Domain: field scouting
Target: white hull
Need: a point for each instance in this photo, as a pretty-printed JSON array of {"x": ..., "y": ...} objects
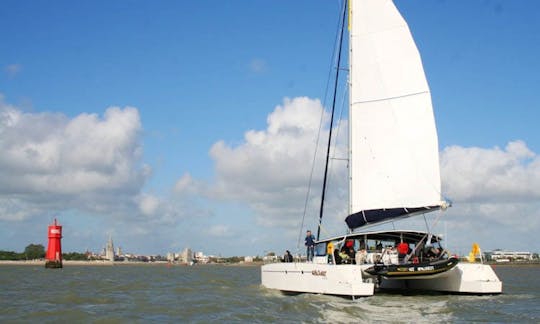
[
  {"x": 350, "y": 280},
  {"x": 315, "y": 278}
]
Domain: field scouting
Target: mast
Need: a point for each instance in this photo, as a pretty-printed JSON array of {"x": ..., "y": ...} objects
[
  {"x": 332, "y": 119},
  {"x": 349, "y": 151}
]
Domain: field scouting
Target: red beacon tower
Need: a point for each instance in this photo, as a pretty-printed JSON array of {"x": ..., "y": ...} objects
[{"x": 54, "y": 249}]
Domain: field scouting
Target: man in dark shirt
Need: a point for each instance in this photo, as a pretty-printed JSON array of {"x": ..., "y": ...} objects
[
  {"x": 288, "y": 256},
  {"x": 310, "y": 245}
]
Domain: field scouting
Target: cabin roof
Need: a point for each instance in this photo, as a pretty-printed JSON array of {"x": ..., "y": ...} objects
[{"x": 407, "y": 235}]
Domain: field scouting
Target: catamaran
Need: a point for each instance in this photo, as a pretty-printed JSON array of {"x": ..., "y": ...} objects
[{"x": 393, "y": 174}]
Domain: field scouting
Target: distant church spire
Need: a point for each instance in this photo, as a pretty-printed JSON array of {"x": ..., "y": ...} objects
[{"x": 109, "y": 251}]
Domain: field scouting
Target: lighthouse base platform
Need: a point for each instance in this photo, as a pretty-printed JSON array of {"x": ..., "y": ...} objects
[{"x": 53, "y": 264}]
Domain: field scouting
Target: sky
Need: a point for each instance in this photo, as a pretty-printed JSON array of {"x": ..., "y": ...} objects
[{"x": 173, "y": 124}]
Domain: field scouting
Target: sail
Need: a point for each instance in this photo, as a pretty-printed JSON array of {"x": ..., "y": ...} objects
[{"x": 394, "y": 161}]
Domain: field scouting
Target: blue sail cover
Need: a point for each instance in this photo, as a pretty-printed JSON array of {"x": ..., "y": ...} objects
[{"x": 380, "y": 215}]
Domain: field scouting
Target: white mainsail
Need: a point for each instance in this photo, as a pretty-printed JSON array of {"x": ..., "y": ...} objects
[{"x": 394, "y": 161}]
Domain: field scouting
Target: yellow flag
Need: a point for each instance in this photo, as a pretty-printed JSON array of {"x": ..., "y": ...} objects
[
  {"x": 475, "y": 249},
  {"x": 474, "y": 252}
]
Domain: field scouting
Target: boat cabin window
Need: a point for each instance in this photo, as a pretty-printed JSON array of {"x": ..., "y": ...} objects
[
  {"x": 320, "y": 249},
  {"x": 378, "y": 245}
]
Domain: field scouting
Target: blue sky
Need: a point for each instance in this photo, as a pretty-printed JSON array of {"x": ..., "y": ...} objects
[{"x": 200, "y": 76}]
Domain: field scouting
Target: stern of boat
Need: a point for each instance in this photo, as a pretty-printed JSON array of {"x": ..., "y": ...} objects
[{"x": 343, "y": 280}]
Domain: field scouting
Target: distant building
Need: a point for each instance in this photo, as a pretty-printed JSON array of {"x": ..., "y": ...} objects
[
  {"x": 201, "y": 258},
  {"x": 186, "y": 256},
  {"x": 109, "y": 250},
  {"x": 507, "y": 256},
  {"x": 248, "y": 259},
  {"x": 270, "y": 258}
]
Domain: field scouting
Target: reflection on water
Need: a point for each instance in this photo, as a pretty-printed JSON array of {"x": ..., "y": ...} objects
[{"x": 233, "y": 294}]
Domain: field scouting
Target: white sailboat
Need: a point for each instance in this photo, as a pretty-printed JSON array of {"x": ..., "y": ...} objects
[{"x": 394, "y": 173}]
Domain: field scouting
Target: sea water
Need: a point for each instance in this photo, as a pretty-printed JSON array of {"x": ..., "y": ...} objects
[{"x": 232, "y": 294}]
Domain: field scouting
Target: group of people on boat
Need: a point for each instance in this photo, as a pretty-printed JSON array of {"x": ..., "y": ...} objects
[
  {"x": 357, "y": 251},
  {"x": 399, "y": 253}
]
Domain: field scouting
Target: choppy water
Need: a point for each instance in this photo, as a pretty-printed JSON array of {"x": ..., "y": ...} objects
[{"x": 137, "y": 293}]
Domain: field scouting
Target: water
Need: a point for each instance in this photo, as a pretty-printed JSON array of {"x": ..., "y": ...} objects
[{"x": 143, "y": 293}]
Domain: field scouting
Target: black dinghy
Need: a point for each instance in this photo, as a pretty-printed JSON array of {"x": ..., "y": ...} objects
[{"x": 411, "y": 270}]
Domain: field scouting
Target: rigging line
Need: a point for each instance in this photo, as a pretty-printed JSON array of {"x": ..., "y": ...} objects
[
  {"x": 325, "y": 231},
  {"x": 332, "y": 119},
  {"x": 329, "y": 78},
  {"x": 425, "y": 221},
  {"x": 340, "y": 121},
  {"x": 429, "y": 232}
]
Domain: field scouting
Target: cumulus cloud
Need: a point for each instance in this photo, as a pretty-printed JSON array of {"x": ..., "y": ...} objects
[
  {"x": 187, "y": 185},
  {"x": 148, "y": 204},
  {"x": 51, "y": 161},
  {"x": 473, "y": 174},
  {"x": 270, "y": 169},
  {"x": 495, "y": 192}
]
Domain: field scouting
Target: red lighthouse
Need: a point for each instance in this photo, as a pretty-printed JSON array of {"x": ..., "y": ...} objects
[{"x": 54, "y": 249}]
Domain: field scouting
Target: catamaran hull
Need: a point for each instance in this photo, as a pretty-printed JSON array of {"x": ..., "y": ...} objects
[
  {"x": 344, "y": 280},
  {"x": 464, "y": 278},
  {"x": 350, "y": 280}
]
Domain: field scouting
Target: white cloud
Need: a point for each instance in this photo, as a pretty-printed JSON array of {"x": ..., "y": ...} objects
[
  {"x": 270, "y": 170},
  {"x": 495, "y": 194},
  {"x": 187, "y": 185},
  {"x": 148, "y": 204},
  {"x": 13, "y": 209},
  {"x": 220, "y": 231},
  {"x": 50, "y": 161},
  {"x": 472, "y": 174}
]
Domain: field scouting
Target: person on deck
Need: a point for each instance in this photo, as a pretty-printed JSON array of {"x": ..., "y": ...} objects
[
  {"x": 343, "y": 255},
  {"x": 310, "y": 245},
  {"x": 378, "y": 246},
  {"x": 330, "y": 252},
  {"x": 349, "y": 249},
  {"x": 403, "y": 250},
  {"x": 288, "y": 256}
]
